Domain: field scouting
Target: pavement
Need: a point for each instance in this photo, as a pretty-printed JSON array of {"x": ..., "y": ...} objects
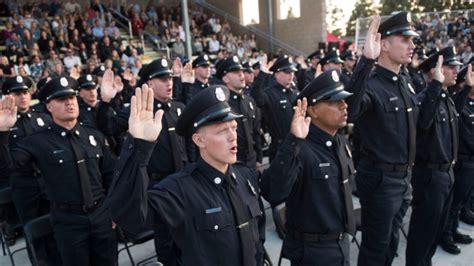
[{"x": 273, "y": 246}]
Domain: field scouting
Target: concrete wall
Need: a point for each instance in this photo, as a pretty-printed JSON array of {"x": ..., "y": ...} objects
[{"x": 303, "y": 33}]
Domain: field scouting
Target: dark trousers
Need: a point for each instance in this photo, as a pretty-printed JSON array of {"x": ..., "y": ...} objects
[
  {"x": 384, "y": 198},
  {"x": 432, "y": 196},
  {"x": 85, "y": 239},
  {"x": 333, "y": 252},
  {"x": 463, "y": 187}
]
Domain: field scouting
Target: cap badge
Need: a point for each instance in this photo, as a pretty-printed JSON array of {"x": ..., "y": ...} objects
[
  {"x": 408, "y": 17},
  {"x": 454, "y": 50},
  {"x": 335, "y": 76},
  {"x": 102, "y": 68},
  {"x": 235, "y": 59},
  {"x": 92, "y": 140},
  {"x": 205, "y": 57},
  {"x": 89, "y": 77},
  {"x": 64, "y": 82},
  {"x": 164, "y": 63},
  {"x": 220, "y": 94},
  {"x": 178, "y": 111},
  {"x": 19, "y": 79}
]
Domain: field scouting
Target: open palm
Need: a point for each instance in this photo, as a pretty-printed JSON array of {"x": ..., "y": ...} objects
[
  {"x": 8, "y": 111},
  {"x": 142, "y": 123}
]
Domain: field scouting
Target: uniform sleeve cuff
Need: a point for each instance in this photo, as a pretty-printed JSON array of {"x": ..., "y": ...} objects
[{"x": 140, "y": 149}]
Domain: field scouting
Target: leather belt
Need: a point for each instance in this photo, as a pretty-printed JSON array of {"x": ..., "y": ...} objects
[
  {"x": 75, "y": 207},
  {"x": 315, "y": 237},
  {"x": 389, "y": 167},
  {"x": 436, "y": 166}
]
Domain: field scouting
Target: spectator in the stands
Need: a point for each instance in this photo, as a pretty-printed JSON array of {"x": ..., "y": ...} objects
[
  {"x": 97, "y": 30},
  {"x": 36, "y": 66},
  {"x": 71, "y": 60},
  {"x": 213, "y": 46},
  {"x": 178, "y": 48}
]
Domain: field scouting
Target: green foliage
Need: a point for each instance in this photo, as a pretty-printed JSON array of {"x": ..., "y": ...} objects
[{"x": 363, "y": 8}]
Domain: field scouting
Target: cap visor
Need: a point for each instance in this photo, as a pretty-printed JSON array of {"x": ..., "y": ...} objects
[
  {"x": 409, "y": 33},
  {"x": 87, "y": 85},
  {"x": 339, "y": 95},
  {"x": 60, "y": 94}
]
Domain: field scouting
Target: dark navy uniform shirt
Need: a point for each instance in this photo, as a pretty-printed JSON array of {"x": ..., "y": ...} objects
[
  {"x": 51, "y": 151},
  {"x": 381, "y": 112},
  {"x": 245, "y": 105},
  {"x": 162, "y": 161},
  {"x": 307, "y": 175},
  {"x": 193, "y": 203},
  {"x": 276, "y": 104}
]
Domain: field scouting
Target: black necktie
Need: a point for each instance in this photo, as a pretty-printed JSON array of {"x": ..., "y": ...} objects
[
  {"x": 411, "y": 123},
  {"x": 82, "y": 168},
  {"x": 346, "y": 187},
  {"x": 175, "y": 148},
  {"x": 453, "y": 126},
  {"x": 26, "y": 124},
  {"x": 243, "y": 224}
]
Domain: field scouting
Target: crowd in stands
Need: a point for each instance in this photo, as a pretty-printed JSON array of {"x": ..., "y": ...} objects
[
  {"x": 449, "y": 29},
  {"x": 53, "y": 38}
]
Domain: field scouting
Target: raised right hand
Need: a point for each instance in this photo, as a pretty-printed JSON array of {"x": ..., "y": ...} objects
[
  {"x": 107, "y": 88},
  {"x": 372, "y": 40},
  {"x": 8, "y": 111},
  {"x": 142, "y": 124},
  {"x": 187, "y": 73},
  {"x": 300, "y": 123},
  {"x": 438, "y": 70}
]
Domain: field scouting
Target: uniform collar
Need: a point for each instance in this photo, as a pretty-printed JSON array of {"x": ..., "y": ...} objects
[
  {"x": 63, "y": 132},
  {"x": 162, "y": 105},
  {"x": 282, "y": 89},
  {"x": 201, "y": 85},
  {"x": 319, "y": 136},
  {"x": 211, "y": 173},
  {"x": 234, "y": 95},
  {"x": 25, "y": 114},
  {"x": 387, "y": 74}
]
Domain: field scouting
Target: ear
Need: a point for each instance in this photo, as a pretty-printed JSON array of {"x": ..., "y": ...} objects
[
  {"x": 312, "y": 111},
  {"x": 198, "y": 140},
  {"x": 385, "y": 44},
  {"x": 48, "y": 106},
  {"x": 225, "y": 79}
]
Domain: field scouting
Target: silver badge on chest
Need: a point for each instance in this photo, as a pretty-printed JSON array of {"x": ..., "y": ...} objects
[
  {"x": 92, "y": 140},
  {"x": 40, "y": 122}
]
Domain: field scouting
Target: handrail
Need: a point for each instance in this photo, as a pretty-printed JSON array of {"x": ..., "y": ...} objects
[
  {"x": 157, "y": 43},
  {"x": 124, "y": 18},
  {"x": 252, "y": 29}
]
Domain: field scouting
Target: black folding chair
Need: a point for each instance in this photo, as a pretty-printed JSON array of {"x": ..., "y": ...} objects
[
  {"x": 279, "y": 217},
  {"x": 130, "y": 240},
  {"x": 6, "y": 203},
  {"x": 358, "y": 220},
  {"x": 40, "y": 228}
]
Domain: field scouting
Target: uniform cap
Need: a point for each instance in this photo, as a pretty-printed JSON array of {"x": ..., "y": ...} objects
[
  {"x": 17, "y": 83},
  {"x": 209, "y": 106},
  {"x": 398, "y": 24},
  {"x": 86, "y": 81},
  {"x": 57, "y": 88},
  {"x": 283, "y": 63},
  {"x": 202, "y": 60},
  {"x": 325, "y": 87},
  {"x": 331, "y": 57},
  {"x": 159, "y": 68},
  {"x": 449, "y": 59},
  {"x": 228, "y": 65}
]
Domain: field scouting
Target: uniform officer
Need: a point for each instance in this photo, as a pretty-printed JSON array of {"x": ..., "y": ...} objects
[
  {"x": 170, "y": 153},
  {"x": 331, "y": 60},
  {"x": 26, "y": 183},
  {"x": 202, "y": 73},
  {"x": 249, "y": 77},
  {"x": 348, "y": 65},
  {"x": 211, "y": 206},
  {"x": 310, "y": 73},
  {"x": 436, "y": 154},
  {"x": 464, "y": 168},
  {"x": 315, "y": 180},
  {"x": 276, "y": 102},
  {"x": 385, "y": 109},
  {"x": 77, "y": 168},
  {"x": 249, "y": 146},
  {"x": 416, "y": 74},
  {"x": 88, "y": 99}
]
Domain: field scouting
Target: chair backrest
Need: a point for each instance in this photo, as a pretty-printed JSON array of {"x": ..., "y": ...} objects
[
  {"x": 279, "y": 217},
  {"x": 38, "y": 228}
]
